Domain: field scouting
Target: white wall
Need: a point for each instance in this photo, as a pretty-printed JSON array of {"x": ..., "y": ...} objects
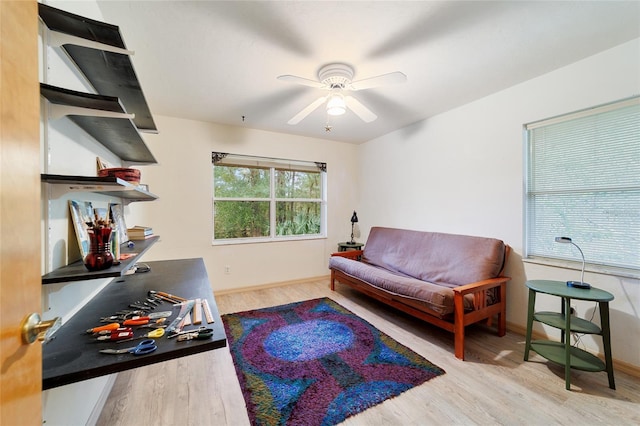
[
  {"x": 68, "y": 150},
  {"x": 182, "y": 216},
  {"x": 462, "y": 172}
]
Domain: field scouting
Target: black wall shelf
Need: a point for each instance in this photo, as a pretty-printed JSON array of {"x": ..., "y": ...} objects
[
  {"x": 98, "y": 115},
  {"x": 109, "y": 72},
  {"x": 72, "y": 355},
  {"x": 111, "y": 186},
  {"x": 76, "y": 271}
]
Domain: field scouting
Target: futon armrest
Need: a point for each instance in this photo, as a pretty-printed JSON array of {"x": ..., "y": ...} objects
[
  {"x": 480, "y": 285},
  {"x": 351, "y": 254}
]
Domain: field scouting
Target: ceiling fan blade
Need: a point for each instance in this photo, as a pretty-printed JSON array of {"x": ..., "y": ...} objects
[
  {"x": 308, "y": 110},
  {"x": 360, "y": 110},
  {"x": 300, "y": 80},
  {"x": 381, "y": 80}
]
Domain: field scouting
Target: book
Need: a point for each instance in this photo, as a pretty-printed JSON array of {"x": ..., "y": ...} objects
[
  {"x": 117, "y": 216},
  {"x": 81, "y": 213},
  {"x": 140, "y": 237},
  {"x": 139, "y": 232}
]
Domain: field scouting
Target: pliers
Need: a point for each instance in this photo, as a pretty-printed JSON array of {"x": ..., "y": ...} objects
[{"x": 201, "y": 333}]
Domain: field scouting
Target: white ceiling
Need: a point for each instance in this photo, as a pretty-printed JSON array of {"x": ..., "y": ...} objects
[{"x": 217, "y": 61}]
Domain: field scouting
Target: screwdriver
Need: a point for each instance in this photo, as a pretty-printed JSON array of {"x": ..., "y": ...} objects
[
  {"x": 112, "y": 326},
  {"x": 117, "y": 336},
  {"x": 137, "y": 321}
]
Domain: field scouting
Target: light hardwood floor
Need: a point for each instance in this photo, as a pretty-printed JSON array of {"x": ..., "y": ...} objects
[{"x": 492, "y": 386}]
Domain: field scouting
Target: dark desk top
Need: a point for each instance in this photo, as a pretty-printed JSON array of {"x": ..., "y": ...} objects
[
  {"x": 73, "y": 356},
  {"x": 560, "y": 289}
]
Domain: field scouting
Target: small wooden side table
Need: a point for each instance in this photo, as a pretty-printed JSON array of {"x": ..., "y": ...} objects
[
  {"x": 348, "y": 246},
  {"x": 562, "y": 352}
]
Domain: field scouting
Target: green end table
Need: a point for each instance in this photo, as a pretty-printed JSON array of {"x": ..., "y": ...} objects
[
  {"x": 348, "y": 246},
  {"x": 562, "y": 352}
]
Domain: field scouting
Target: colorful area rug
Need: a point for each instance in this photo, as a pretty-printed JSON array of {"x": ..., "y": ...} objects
[{"x": 316, "y": 363}]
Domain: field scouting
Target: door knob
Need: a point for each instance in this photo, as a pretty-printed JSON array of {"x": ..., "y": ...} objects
[{"x": 34, "y": 328}]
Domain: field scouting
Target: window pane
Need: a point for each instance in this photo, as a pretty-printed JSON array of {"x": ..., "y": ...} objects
[
  {"x": 583, "y": 182},
  {"x": 297, "y": 218},
  {"x": 241, "y": 182},
  {"x": 600, "y": 223},
  {"x": 297, "y": 184},
  {"x": 241, "y": 219}
]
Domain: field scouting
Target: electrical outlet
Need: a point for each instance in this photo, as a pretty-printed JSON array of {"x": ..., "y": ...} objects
[{"x": 227, "y": 269}]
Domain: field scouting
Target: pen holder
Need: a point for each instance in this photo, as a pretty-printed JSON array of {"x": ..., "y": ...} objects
[{"x": 99, "y": 256}]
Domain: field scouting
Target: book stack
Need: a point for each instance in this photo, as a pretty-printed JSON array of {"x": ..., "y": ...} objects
[{"x": 139, "y": 233}]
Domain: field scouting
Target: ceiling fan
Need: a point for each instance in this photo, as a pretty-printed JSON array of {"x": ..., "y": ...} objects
[{"x": 337, "y": 79}]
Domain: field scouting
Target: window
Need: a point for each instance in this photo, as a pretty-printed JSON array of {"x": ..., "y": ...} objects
[
  {"x": 263, "y": 199},
  {"x": 583, "y": 182}
]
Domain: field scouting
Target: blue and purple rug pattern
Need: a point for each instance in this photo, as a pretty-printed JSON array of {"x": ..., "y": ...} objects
[{"x": 316, "y": 363}]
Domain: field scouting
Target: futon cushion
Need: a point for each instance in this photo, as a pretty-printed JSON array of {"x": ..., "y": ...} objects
[
  {"x": 448, "y": 260},
  {"x": 437, "y": 298}
]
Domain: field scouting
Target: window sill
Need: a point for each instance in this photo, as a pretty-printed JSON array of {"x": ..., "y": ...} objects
[
  {"x": 285, "y": 239},
  {"x": 596, "y": 269}
]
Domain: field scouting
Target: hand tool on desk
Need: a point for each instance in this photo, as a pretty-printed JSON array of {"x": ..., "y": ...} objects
[
  {"x": 154, "y": 302},
  {"x": 163, "y": 314},
  {"x": 121, "y": 335},
  {"x": 184, "y": 310},
  {"x": 139, "y": 314},
  {"x": 197, "y": 313},
  {"x": 145, "y": 347},
  {"x": 171, "y": 296},
  {"x": 117, "y": 330},
  {"x": 166, "y": 296},
  {"x": 207, "y": 311},
  {"x": 155, "y": 334},
  {"x": 157, "y": 324},
  {"x": 123, "y": 315},
  {"x": 156, "y": 299},
  {"x": 148, "y": 305},
  {"x": 111, "y": 326},
  {"x": 166, "y": 299},
  {"x": 143, "y": 320},
  {"x": 136, "y": 321},
  {"x": 199, "y": 334},
  {"x": 201, "y": 329},
  {"x": 139, "y": 306}
]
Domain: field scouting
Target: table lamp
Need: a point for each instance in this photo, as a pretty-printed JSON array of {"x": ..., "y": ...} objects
[
  {"x": 581, "y": 283},
  {"x": 354, "y": 219}
]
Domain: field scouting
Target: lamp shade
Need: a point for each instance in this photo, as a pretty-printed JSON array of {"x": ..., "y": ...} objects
[
  {"x": 336, "y": 104},
  {"x": 354, "y": 217}
]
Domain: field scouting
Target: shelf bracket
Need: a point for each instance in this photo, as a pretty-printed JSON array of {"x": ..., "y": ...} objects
[
  {"x": 59, "y": 39},
  {"x": 57, "y": 111},
  {"x": 58, "y": 191}
]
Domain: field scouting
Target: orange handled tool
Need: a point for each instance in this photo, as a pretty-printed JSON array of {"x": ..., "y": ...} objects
[
  {"x": 111, "y": 326},
  {"x": 137, "y": 321}
]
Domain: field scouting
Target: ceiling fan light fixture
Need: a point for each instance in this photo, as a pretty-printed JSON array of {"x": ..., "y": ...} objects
[{"x": 336, "y": 105}]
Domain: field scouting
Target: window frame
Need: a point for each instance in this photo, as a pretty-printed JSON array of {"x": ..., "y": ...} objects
[
  {"x": 272, "y": 164},
  {"x": 560, "y": 254}
]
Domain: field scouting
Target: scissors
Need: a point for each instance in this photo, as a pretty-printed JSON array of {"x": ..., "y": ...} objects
[
  {"x": 145, "y": 347},
  {"x": 155, "y": 334}
]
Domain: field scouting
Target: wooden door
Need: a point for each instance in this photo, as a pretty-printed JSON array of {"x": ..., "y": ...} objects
[{"x": 20, "y": 283}]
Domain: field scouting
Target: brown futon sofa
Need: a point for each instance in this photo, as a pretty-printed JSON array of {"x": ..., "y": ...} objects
[{"x": 445, "y": 279}]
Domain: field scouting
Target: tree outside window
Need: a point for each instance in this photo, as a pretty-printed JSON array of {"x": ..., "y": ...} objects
[{"x": 262, "y": 199}]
